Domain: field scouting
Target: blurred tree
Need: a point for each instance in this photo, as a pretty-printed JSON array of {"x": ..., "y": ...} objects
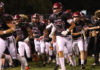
[
  {"x": 44, "y": 6},
  {"x": 27, "y": 6},
  {"x": 40, "y": 6}
]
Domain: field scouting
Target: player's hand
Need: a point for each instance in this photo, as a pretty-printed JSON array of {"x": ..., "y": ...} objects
[
  {"x": 41, "y": 37},
  {"x": 94, "y": 33},
  {"x": 64, "y": 33}
]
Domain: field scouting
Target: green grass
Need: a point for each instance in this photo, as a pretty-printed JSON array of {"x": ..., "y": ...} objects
[{"x": 35, "y": 66}]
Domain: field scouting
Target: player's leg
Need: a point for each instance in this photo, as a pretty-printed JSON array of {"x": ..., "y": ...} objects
[
  {"x": 3, "y": 45},
  {"x": 70, "y": 52},
  {"x": 37, "y": 49},
  {"x": 54, "y": 51},
  {"x": 22, "y": 59},
  {"x": 85, "y": 51},
  {"x": 66, "y": 55},
  {"x": 9, "y": 58},
  {"x": 43, "y": 54},
  {"x": 49, "y": 48},
  {"x": 60, "y": 48},
  {"x": 27, "y": 49},
  {"x": 12, "y": 49},
  {"x": 81, "y": 49},
  {"x": 47, "y": 51},
  {"x": 42, "y": 45},
  {"x": 28, "y": 53},
  {"x": 56, "y": 56},
  {"x": 37, "y": 46}
]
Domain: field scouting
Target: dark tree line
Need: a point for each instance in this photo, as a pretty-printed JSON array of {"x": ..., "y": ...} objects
[
  {"x": 89, "y": 5},
  {"x": 27, "y": 6},
  {"x": 45, "y": 6}
]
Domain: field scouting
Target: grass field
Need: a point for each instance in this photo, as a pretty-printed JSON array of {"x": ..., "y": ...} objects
[{"x": 34, "y": 66}]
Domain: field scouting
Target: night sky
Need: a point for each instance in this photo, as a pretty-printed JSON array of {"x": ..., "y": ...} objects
[
  {"x": 45, "y": 6},
  {"x": 89, "y": 5}
]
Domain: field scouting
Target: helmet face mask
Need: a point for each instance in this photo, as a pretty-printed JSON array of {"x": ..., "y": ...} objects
[
  {"x": 76, "y": 16},
  {"x": 76, "y": 19},
  {"x": 16, "y": 19},
  {"x": 56, "y": 10},
  {"x": 35, "y": 18}
]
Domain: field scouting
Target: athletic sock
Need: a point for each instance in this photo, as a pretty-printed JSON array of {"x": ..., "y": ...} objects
[{"x": 62, "y": 63}]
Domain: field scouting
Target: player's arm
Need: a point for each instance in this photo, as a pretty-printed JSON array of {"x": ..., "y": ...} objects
[
  {"x": 30, "y": 34},
  {"x": 17, "y": 38},
  {"x": 72, "y": 26},
  {"x": 10, "y": 30},
  {"x": 45, "y": 33},
  {"x": 75, "y": 34},
  {"x": 52, "y": 31},
  {"x": 49, "y": 25},
  {"x": 53, "y": 39},
  {"x": 91, "y": 28},
  {"x": 69, "y": 29}
]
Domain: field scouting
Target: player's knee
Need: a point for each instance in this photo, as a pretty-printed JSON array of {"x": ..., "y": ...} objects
[
  {"x": 22, "y": 55},
  {"x": 28, "y": 56},
  {"x": 42, "y": 52},
  {"x": 60, "y": 54}
]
